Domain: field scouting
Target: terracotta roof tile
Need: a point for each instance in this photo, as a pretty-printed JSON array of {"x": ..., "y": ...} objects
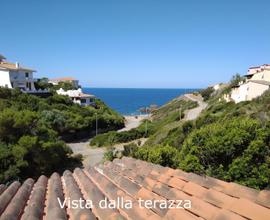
[
  {"x": 91, "y": 192},
  {"x": 7, "y": 195},
  {"x": 54, "y": 195},
  {"x": 264, "y": 198},
  {"x": 250, "y": 210},
  {"x": 16, "y": 205},
  {"x": 62, "y": 79},
  {"x": 174, "y": 214},
  {"x": 73, "y": 192},
  {"x": 13, "y": 66},
  {"x": 2, "y": 188},
  {"x": 36, "y": 202},
  {"x": 227, "y": 215},
  {"x": 132, "y": 180}
]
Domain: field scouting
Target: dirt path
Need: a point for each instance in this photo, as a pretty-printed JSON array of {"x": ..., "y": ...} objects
[
  {"x": 93, "y": 156},
  {"x": 194, "y": 113}
]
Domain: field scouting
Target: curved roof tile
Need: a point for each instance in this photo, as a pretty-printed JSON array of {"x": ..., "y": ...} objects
[{"x": 132, "y": 180}]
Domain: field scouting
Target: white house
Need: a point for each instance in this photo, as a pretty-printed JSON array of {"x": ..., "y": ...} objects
[
  {"x": 257, "y": 82},
  {"x": 78, "y": 96},
  {"x": 71, "y": 80},
  {"x": 13, "y": 75}
]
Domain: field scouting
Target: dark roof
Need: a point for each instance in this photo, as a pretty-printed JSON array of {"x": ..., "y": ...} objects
[
  {"x": 236, "y": 86},
  {"x": 255, "y": 67},
  {"x": 132, "y": 179}
]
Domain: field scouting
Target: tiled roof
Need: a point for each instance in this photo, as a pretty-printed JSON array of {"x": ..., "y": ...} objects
[
  {"x": 62, "y": 79},
  {"x": 13, "y": 66},
  {"x": 132, "y": 180}
]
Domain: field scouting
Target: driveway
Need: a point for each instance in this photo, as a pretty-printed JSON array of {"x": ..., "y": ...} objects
[{"x": 194, "y": 113}]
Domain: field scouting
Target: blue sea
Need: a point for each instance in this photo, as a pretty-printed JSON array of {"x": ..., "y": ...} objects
[{"x": 129, "y": 101}]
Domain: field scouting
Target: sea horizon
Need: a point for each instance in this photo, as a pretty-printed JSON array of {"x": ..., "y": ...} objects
[
  {"x": 128, "y": 101},
  {"x": 88, "y": 87}
]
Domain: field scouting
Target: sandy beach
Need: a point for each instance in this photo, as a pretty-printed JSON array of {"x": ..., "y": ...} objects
[{"x": 133, "y": 121}]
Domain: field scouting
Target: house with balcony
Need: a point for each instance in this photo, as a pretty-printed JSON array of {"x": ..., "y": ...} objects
[
  {"x": 13, "y": 75},
  {"x": 78, "y": 97},
  {"x": 257, "y": 81}
]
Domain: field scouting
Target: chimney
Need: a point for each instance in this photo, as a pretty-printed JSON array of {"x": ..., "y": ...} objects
[{"x": 17, "y": 65}]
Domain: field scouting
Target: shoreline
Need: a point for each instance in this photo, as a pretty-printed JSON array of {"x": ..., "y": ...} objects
[{"x": 133, "y": 121}]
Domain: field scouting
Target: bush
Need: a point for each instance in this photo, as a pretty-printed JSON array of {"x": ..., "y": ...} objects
[
  {"x": 234, "y": 150},
  {"x": 109, "y": 155},
  {"x": 113, "y": 137},
  {"x": 206, "y": 93},
  {"x": 163, "y": 155},
  {"x": 130, "y": 149}
]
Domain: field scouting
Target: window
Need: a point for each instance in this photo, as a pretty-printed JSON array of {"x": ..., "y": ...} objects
[
  {"x": 26, "y": 75},
  {"x": 83, "y": 100}
]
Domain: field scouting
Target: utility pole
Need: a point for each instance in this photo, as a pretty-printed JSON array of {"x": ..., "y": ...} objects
[
  {"x": 96, "y": 124},
  {"x": 146, "y": 128}
]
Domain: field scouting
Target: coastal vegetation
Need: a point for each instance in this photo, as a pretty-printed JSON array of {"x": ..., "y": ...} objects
[
  {"x": 166, "y": 116},
  {"x": 33, "y": 130},
  {"x": 227, "y": 141}
]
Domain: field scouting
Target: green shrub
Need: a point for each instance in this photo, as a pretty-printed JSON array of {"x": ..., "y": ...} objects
[
  {"x": 206, "y": 93},
  {"x": 113, "y": 137},
  {"x": 109, "y": 155},
  {"x": 130, "y": 149},
  {"x": 235, "y": 150},
  {"x": 163, "y": 155}
]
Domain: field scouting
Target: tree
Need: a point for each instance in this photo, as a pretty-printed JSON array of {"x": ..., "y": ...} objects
[
  {"x": 236, "y": 79},
  {"x": 31, "y": 129}
]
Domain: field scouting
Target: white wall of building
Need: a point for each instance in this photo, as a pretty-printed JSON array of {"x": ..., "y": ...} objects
[
  {"x": 264, "y": 75},
  {"x": 83, "y": 101},
  {"x": 248, "y": 91},
  {"x": 70, "y": 93},
  {"x": 5, "y": 79},
  {"x": 240, "y": 93},
  {"x": 255, "y": 90},
  {"x": 251, "y": 89},
  {"x": 17, "y": 79},
  {"x": 77, "y": 96}
]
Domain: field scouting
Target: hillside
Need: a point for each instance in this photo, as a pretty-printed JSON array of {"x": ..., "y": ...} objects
[
  {"x": 32, "y": 131},
  {"x": 165, "y": 118},
  {"x": 228, "y": 141}
]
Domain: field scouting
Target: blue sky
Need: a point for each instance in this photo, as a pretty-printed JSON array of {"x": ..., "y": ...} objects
[{"x": 137, "y": 43}]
